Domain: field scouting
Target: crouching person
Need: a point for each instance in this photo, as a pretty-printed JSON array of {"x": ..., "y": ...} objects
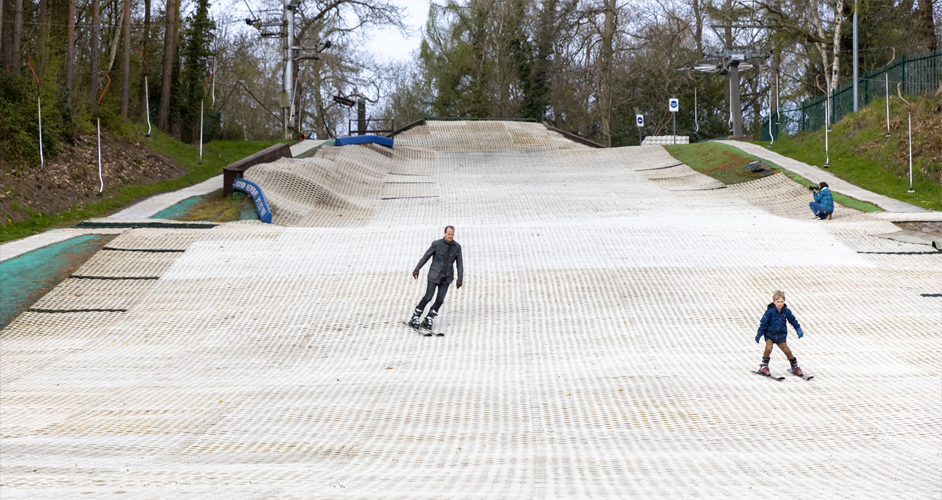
[{"x": 823, "y": 204}]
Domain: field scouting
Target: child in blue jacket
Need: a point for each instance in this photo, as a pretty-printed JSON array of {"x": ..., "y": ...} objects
[{"x": 773, "y": 328}]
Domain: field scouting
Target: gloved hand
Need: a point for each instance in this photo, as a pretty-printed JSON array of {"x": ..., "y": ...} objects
[
  {"x": 758, "y": 336},
  {"x": 800, "y": 334},
  {"x": 415, "y": 274},
  {"x": 458, "y": 284}
]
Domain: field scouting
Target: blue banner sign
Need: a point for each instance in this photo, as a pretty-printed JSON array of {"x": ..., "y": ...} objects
[
  {"x": 261, "y": 205},
  {"x": 364, "y": 139}
]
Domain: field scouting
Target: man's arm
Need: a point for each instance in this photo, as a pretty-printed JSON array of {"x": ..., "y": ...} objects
[
  {"x": 460, "y": 266},
  {"x": 426, "y": 257}
]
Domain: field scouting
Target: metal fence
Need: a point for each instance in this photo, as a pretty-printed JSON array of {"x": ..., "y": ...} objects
[{"x": 921, "y": 72}]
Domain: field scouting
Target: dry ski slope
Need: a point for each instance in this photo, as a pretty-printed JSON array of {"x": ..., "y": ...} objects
[{"x": 601, "y": 346}]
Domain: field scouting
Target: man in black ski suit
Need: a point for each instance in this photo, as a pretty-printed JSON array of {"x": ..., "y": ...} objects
[{"x": 444, "y": 254}]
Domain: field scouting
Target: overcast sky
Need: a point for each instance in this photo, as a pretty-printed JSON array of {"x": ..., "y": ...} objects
[
  {"x": 385, "y": 44},
  {"x": 392, "y": 45}
]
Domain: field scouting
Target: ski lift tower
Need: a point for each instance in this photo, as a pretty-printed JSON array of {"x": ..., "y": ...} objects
[
  {"x": 284, "y": 29},
  {"x": 730, "y": 63}
]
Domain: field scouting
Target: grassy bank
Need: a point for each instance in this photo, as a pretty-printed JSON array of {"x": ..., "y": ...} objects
[
  {"x": 216, "y": 155},
  {"x": 725, "y": 163},
  {"x": 860, "y": 152}
]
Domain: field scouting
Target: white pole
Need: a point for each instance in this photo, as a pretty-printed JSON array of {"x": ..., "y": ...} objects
[
  {"x": 42, "y": 161},
  {"x": 886, "y": 75},
  {"x": 201, "y": 130},
  {"x": 695, "y": 121},
  {"x": 911, "y": 150},
  {"x": 100, "y": 178},
  {"x": 827, "y": 112},
  {"x": 147, "y": 106}
]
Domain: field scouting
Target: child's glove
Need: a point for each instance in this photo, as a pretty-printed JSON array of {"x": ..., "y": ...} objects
[
  {"x": 759, "y": 336},
  {"x": 800, "y": 334}
]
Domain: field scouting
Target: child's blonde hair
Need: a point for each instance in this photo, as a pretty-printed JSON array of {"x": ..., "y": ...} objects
[{"x": 777, "y": 294}]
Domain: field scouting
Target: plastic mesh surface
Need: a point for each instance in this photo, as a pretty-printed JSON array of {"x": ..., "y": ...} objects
[{"x": 601, "y": 346}]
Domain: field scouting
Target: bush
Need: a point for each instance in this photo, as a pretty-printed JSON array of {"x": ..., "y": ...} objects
[{"x": 19, "y": 125}]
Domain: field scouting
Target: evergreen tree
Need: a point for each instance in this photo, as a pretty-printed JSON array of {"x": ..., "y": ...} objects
[{"x": 193, "y": 59}]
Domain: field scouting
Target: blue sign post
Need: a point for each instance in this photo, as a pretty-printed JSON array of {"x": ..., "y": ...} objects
[
  {"x": 674, "y": 106},
  {"x": 639, "y": 119},
  {"x": 261, "y": 204}
]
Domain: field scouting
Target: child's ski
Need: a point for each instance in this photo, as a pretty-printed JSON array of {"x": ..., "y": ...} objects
[
  {"x": 806, "y": 377},
  {"x": 769, "y": 376},
  {"x": 420, "y": 332}
]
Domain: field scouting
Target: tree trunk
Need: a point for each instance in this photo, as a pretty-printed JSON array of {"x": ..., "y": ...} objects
[
  {"x": 727, "y": 85},
  {"x": 114, "y": 42},
  {"x": 145, "y": 41},
  {"x": 126, "y": 78},
  {"x": 608, "y": 50},
  {"x": 698, "y": 29},
  {"x": 70, "y": 54},
  {"x": 93, "y": 56},
  {"x": 319, "y": 128},
  {"x": 836, "y": 47},
  {"x": 926, "y": 25},
  {"x": 163, "y": 113},
  {"x": 17, "y": 37},
  {"x": 43, "y": 34},
  {"x": 4, "y": 43}
]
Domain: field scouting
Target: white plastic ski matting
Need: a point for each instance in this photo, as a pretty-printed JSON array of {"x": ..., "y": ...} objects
[{"x": 601, "y": 345}]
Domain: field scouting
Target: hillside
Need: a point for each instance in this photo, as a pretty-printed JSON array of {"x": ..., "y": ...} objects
[{"x": 861, "y": 153}]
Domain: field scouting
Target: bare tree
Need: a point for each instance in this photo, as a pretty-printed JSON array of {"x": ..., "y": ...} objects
[
  {"x": 163, "y": 113},
  {"x": 93, "y": 56},
  {"x": 17, "y": 36},
  {"x": 606, "y": 76},
  {"x": 145, "y": 40},
  {"x": 126, "y": 77},
  {"x": 43, "y": 33},
  {"x": 70, "y": 53},
  {"x": 926, "y": 25}
]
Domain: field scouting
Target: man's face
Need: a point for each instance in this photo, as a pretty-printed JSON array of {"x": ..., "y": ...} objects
[{"x": 449, "y": 235}]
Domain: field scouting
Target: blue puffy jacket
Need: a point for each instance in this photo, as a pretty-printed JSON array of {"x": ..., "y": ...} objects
[
  {"x": 824, "y": 198},
  {"x": 773, "y": 325}
]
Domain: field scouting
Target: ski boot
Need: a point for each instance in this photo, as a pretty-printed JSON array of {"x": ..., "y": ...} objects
[
  {"x": 764, "y": 370},
  {"x": 414, "y": 322},
  {"x": 428, "y": 322},
  {"x": 797, "y": 371}
]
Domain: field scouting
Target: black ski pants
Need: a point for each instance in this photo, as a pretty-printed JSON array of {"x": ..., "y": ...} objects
[{"x": 429, "y": 292}]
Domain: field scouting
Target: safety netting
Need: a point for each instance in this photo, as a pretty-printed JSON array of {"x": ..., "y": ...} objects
[{"x": 600, "y": 346}]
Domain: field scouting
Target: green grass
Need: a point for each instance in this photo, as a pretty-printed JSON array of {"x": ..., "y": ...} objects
[
  {"x": 860, "y": 152},
  {"x": 216, "y": 155},
  {"x": 212, "y": 207},
  {"x": 725, "y": 164}
]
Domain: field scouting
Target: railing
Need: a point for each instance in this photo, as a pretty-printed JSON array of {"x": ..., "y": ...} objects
[
  {"x": 376, "y": 126},
  {"x": 921, "y": 72}
]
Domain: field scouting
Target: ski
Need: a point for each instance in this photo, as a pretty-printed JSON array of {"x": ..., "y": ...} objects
[
  {"x": 417, "y": 330},
  {"x": 431, "y": 332},
  {"x": 806, "y": 377},
  {"x": 769, "y": 376}
]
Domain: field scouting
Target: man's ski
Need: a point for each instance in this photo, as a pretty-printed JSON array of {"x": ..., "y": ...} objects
[
  {"x": 420, "y": 332},
  {"x": 431, "y": 332},
  {"x": 806, "y": 377},
  {"x": 769, "y": 376}
]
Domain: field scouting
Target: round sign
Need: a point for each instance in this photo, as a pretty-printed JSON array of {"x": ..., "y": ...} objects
[
  {"x": 640, "y": 120},
  {"x": 674, "y": 105}
]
